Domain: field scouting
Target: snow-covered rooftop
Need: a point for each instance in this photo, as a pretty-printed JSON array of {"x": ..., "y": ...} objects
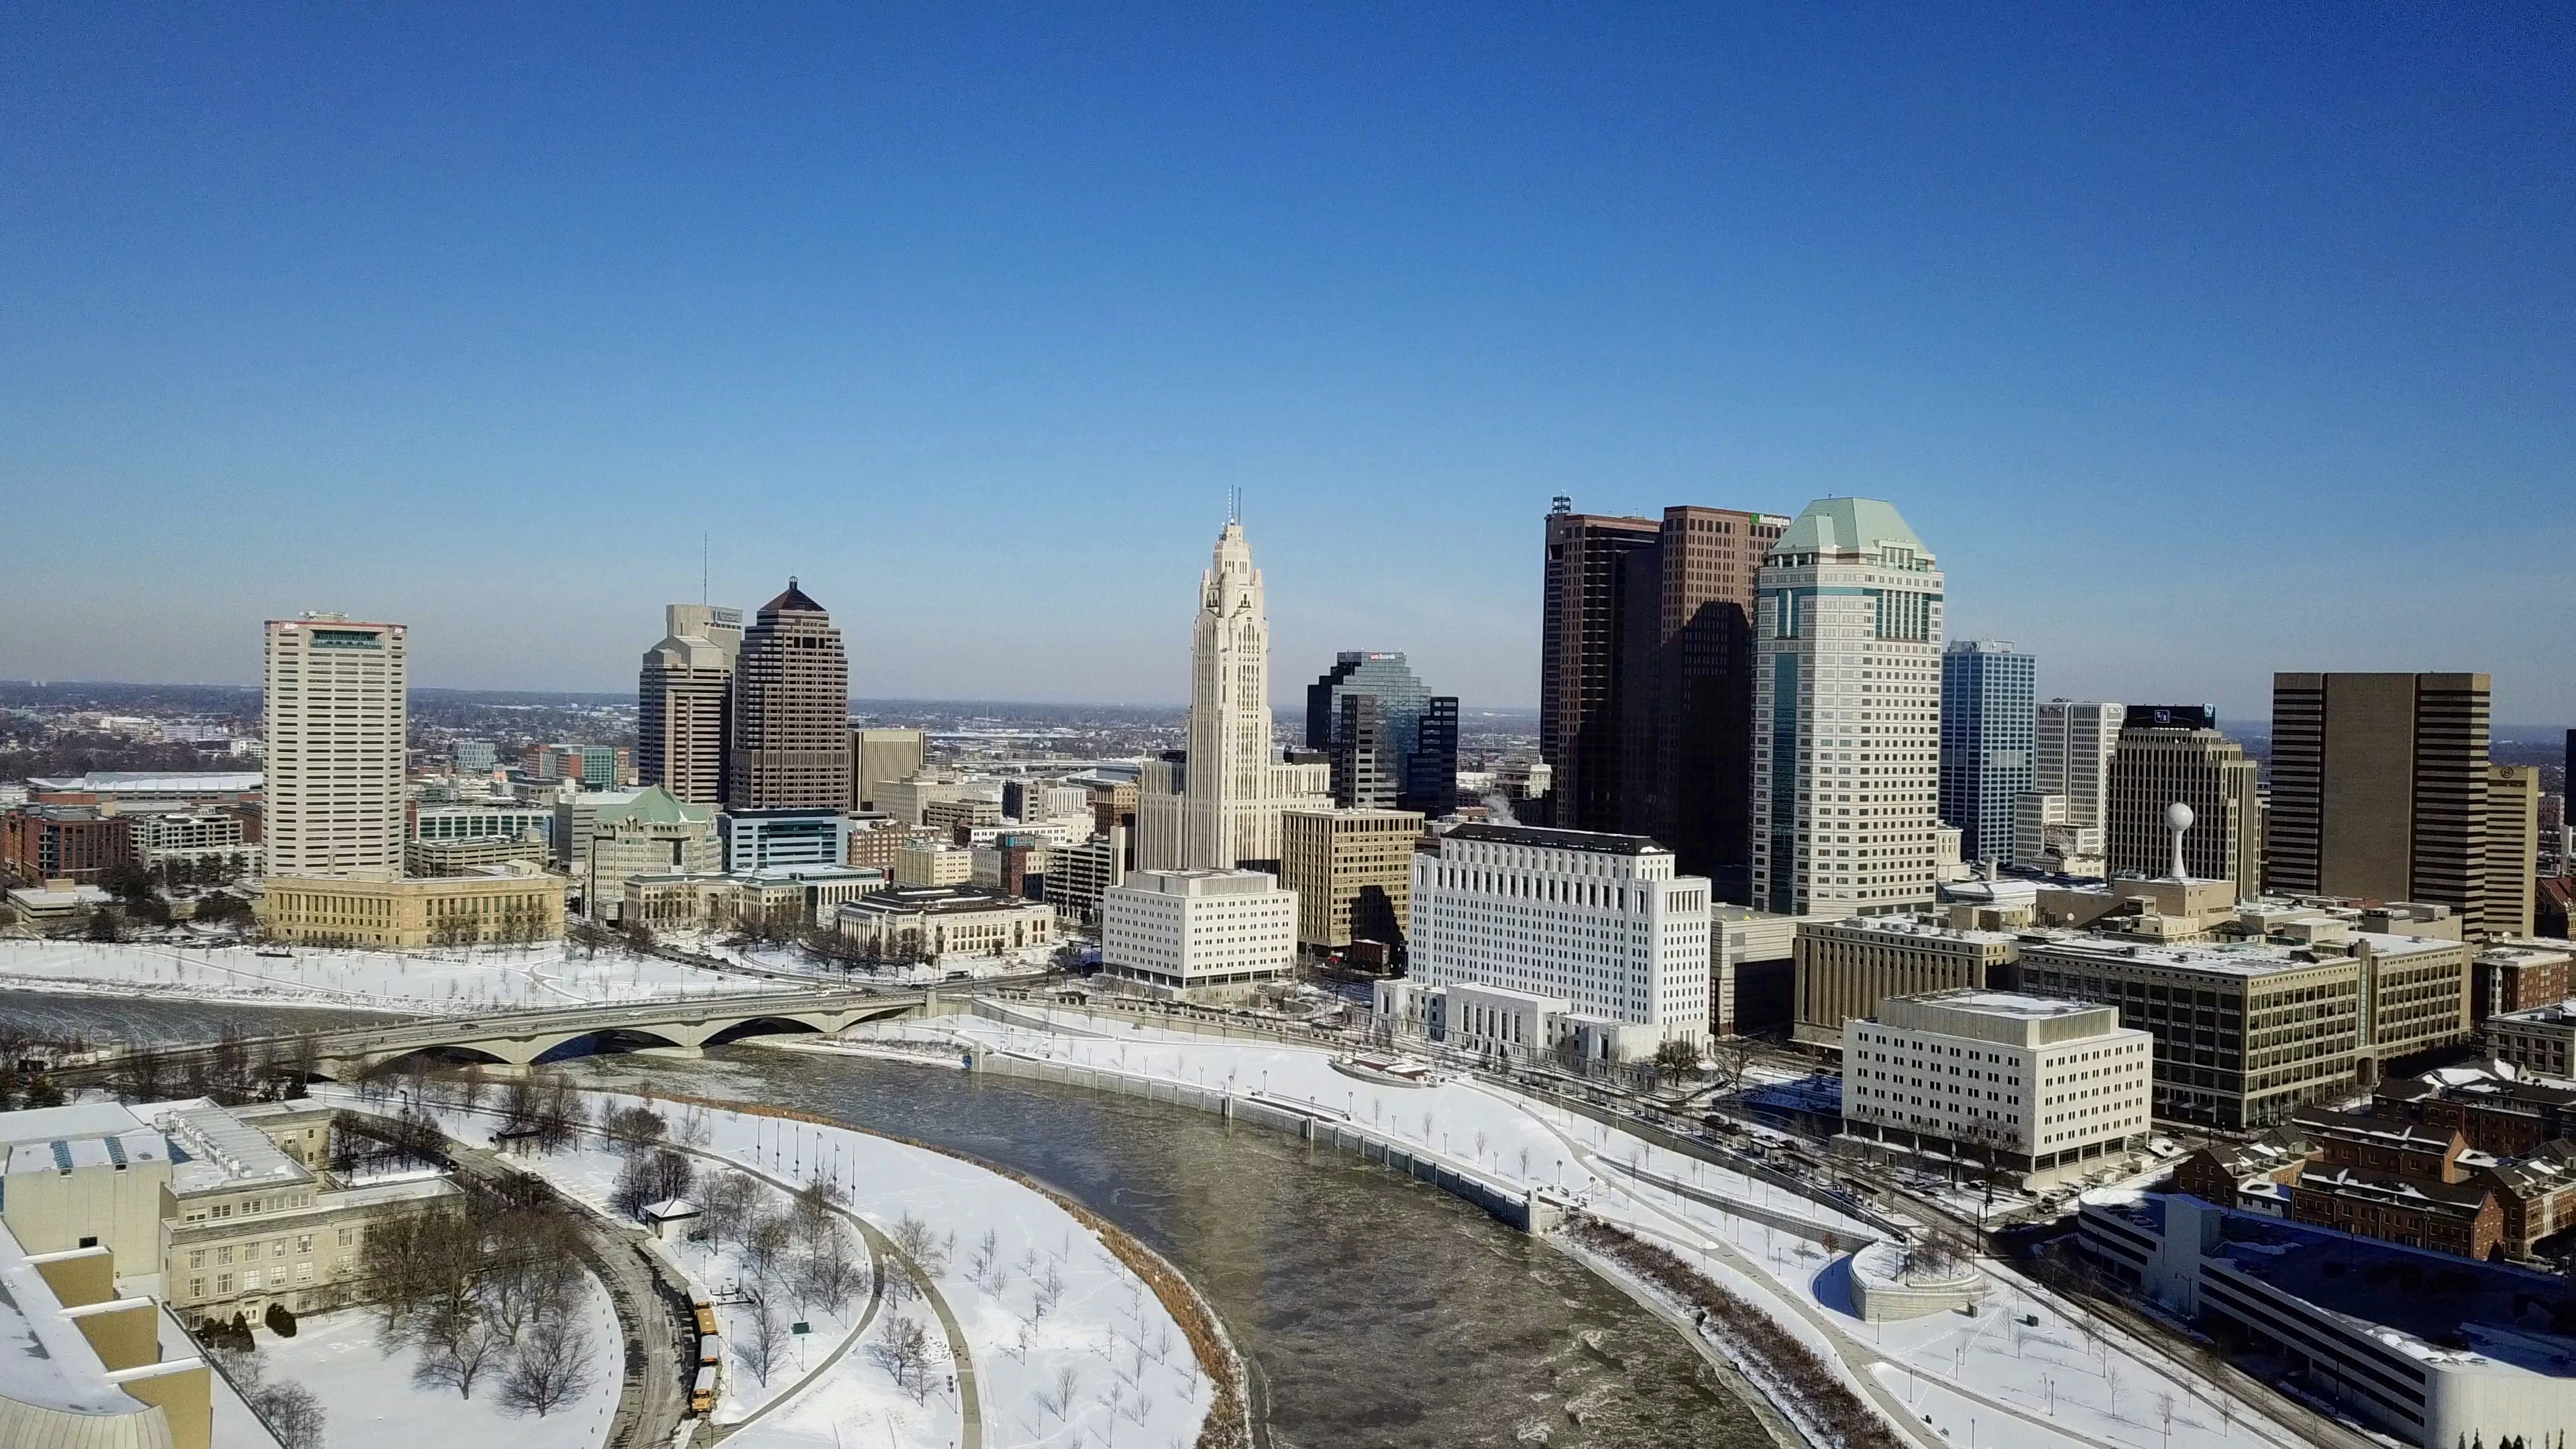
[{"x": 213, "y": 1151}]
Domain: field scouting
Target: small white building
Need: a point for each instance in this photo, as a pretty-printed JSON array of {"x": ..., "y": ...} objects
[
  {"x": 1199, "y": 933},
  {"x": 2044, "y": 1084},
  {"x": 936, "y": 923},
  {"x": 1598, "y": 921}
]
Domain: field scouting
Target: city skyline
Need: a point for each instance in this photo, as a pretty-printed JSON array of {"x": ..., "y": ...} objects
[{"x": 2113, "y": 307}]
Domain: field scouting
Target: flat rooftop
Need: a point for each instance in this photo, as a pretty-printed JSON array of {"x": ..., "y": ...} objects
[
  {"x": 2252, "y": 958},
  {"x": 2010, "y": 1004},
  {"x": 1540, "y": 837}
]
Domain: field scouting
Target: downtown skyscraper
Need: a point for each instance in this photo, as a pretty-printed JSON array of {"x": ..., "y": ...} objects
[
  {"x": 1989, "y": 692},
  {"x": 1646, "y": 678},
  {"x": 1229, "y": 764},
  {"x": 791, "y": 711},
  {"x": 1847, "y": 714},
  {"x": 684, "y": 702},
  {"x": 336, "y": 711},
  {"x": 1393, "y": 743}
]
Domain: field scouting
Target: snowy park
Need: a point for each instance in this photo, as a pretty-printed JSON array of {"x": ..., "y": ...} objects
[
  {"x": 454, "y": 981},
  {"x": 1063, "y": 1344}
]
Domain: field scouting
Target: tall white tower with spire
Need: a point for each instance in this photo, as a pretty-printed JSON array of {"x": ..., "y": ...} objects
[
  {"x": 1218, "y": 806},
  {"x": 1229, "y": 768}
]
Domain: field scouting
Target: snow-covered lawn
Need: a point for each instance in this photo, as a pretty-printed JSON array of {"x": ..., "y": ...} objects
[
  {"x": 370, "y": 1402},
  {"x": 794, "y": 959},
  {"x": 448, "y": 981},
  {"x": 1101, "y": 1362}
]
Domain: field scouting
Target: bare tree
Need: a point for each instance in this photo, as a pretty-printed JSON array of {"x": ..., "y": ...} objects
[
  {"x": 633, "y": 1129},
  {"x": 1057, "y": 1398},
  {"x": 729, "y": 1198},
  {"x": 913, "y": 1238},
  {"x": 979, "y": 1268},
  {"x": 292, "y": 1412},
  {"x": 455, "y": 1350},
  {"x": 552, "y": 1369},
  {"x": 764, "y": 1248},
  {"x": 1050, "y": 1292},
  {"x": 904, "y": 1351},
  {"x": 830, "y": 1274},
  {"x": 762, "y": 1340}
]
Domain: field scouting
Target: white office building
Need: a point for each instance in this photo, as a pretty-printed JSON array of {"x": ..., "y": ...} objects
[
  {"x": 1199, "y": 933},
  {"x": 2046, "y": 1083},
  {"x": 1597, "y": 921},
  {"x": 335, "y": 717},
  {"x": 1846, "y": 714}
]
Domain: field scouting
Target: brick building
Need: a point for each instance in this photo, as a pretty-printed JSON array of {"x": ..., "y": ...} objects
[{"x": 64, "y": 842}]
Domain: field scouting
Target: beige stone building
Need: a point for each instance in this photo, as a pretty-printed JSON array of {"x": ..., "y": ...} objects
[
  {"x": 878, "y": 758},
  {"x": 500, "y": 904},
  {"x": 2513, "y": 852},
  {"x": 1844, "y": 969},
  {"x": 2247, "y": 1033},
  {"x": 932, "y": 863},
  {"x": 682, "y": 696},
  {"x": 2155, "y": 768},
  {"x": 1352, "y": 871},
  {"x": 656, "y": 833},
  {"x": 945, "y": 921}
]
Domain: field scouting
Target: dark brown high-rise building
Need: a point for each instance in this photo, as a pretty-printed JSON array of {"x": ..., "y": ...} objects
[
  {"x": 791, "y": 711},
  {"x": 2379, "y": 788},
  {"x": 1698, "y": 788},
  {"x": 1646, "y": 691},
  {"x": 1601, "y": 591}
]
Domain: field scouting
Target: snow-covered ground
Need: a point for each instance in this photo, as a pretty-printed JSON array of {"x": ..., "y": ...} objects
[
  {"x": 369, "y": 1399},
  {"x": 795, "y": 960},
  {"x": 448, "y": 981},
  {"x": 1989, "y": 1379},
  {"x": 1131, "y": 1373}
]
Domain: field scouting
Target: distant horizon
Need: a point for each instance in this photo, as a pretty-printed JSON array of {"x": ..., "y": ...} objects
[{"x": 2256, "y": 726}]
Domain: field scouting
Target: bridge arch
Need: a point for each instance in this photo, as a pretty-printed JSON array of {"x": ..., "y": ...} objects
[{"x": 783, "y": 1024}]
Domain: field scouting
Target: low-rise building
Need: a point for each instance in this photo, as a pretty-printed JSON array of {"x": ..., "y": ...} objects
[
  {"x": 2434, "y": 1350},
  {"x": 2521, "y": 975},
  {"x": 1352, "y": 871},
  {"x": 754, "y": 839},
  {"x": 1198, "y": 934},
  {"x": 930, "y": 863},
  {"x": 2035, "y": 1087},
  {"x": 2248, "y": 1033},
  {"x": 167, "y": 837},
  {"x": 1845, "y": 968},
  {"x": 483, "y": 819},
  {"x": 2382, "y": 1177},
  {"x": 85, "y": 1364},
  {"x": 2538, "y": 1039},
  {"x": 939, "y": 923},
  {"x": 470, "y": 854},
  {"x": 65, "y": 842},
  {"x": 54, "y": 904},
  {"x": 492, "y": 905},
  {"x": 1077, "y": 874},
  {"x": 656, "y": 833},
  {"x": 1752, "y": 970}
]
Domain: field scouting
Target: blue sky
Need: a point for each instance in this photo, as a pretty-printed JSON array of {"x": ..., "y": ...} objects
[{"x": 2198, "y": 343}]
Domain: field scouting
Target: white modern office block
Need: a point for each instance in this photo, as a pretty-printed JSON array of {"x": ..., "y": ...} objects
[
  {"x": 2039, "y": 1079},
  {"x": 1198, "y": 931},
  {"x": 1598, "y": 921}
]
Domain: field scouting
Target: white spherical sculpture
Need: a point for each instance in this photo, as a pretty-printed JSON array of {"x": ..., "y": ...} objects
[{"x": 2178, "y": 819}]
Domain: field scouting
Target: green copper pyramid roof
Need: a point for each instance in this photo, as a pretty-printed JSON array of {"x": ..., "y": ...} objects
[
  {"x": 654, "y": 805},
  {"x": 1848, "y": 525}
]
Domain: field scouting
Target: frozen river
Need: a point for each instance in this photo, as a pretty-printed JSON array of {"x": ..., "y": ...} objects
[{"x": 1379, "y": 1313}]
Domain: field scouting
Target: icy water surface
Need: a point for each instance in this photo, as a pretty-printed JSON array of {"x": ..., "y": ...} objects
[
  {"x": 1378, "y": 1311},
  {"x": 163, "y": 1019}
]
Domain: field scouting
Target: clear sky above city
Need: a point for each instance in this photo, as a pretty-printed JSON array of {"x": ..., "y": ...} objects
[{"x": 2198, "y": 344}]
